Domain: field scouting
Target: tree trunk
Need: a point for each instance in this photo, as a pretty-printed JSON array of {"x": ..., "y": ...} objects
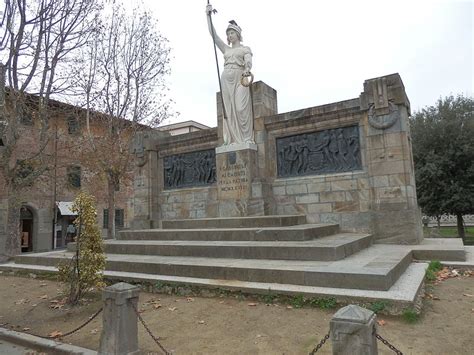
[
  {"x": 12, "y": 242},
  {"x": 460, "y": 225},
  {"x": 111, "y": 207}
]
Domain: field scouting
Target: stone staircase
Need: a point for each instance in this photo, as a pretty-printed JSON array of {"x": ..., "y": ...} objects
[
  {"x": 282, "y": 254},
  {"x": 275, "y": 249}
]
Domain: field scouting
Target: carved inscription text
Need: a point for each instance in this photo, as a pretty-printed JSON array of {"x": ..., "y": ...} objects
[{"x": 233, "y": 178}]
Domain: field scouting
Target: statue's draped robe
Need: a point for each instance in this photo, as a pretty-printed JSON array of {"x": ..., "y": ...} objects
[{"x": 238, "y": 127}]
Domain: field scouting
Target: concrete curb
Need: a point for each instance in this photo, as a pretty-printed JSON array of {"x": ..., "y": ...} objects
[{"x": 41, "y": 344}]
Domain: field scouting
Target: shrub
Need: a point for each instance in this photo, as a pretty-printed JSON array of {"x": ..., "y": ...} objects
[
  {"x": 378, "y": 306},
  {"x": 298, "y": 301},
  {"x": 85, "y": 270},
  {"x": 409, "y": 315},
  {"x": 435, "y": 265}
]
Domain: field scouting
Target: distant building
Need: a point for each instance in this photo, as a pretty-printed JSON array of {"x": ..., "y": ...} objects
[
  {"x": 183, "y": 127},
  {"x": 45, "y": 213}
]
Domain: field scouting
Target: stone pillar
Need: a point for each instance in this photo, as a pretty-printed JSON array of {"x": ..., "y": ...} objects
[
  {"x": 146, "y": 175},
  {"x": 241, "y": 168},
  {"x": 389, "y": 161},
  {"x": 236, "y": 168},
  {"x": 352, "y": 331},
  {"x": 120, "y": 328}
]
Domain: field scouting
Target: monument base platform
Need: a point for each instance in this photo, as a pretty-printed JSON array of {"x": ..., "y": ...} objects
[{"x": 269, "y": 254}]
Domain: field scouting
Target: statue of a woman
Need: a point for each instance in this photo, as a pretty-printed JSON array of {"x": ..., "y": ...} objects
[{"x": 238, "y": 120}]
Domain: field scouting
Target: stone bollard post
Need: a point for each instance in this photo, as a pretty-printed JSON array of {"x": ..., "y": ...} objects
[
  {"x": 352, "y": 331},
  {"x": 120, "y": 329}
]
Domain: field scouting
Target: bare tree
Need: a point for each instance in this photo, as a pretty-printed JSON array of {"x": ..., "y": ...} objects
[
  {"x": 38, "y": 40},
  {"x": 122, "y": 78}
]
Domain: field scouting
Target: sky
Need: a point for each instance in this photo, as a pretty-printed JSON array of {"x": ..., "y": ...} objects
[{"x": 317, "y": 52}]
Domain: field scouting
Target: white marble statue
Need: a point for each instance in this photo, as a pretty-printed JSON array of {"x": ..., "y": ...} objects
[{"x": 238, "y": 120}]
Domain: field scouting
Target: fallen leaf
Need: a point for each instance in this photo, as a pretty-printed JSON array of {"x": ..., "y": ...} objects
[
  {"x": 172, "y": 309},
  {"x": 381, "y": 322},
  {"x": 156, "y": 306},
  {"x": 22, "y": 301},
  {"x": 252, "y": 304},
  {"x": 467, "y": 295},
  {"x": 55, "y": 334}
]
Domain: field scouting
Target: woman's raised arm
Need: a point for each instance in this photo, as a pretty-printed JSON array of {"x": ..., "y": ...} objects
[{"x": 217, "y": 40}]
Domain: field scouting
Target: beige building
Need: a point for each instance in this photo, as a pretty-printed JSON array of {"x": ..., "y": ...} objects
[{"x": 183, "y": 127}]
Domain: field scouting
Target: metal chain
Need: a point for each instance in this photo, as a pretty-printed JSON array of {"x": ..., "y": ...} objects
[
  {"x": 320, "y": 345},
  {"x": 60, "y": 335},
  {"x": 148, "y": 329},
  {"x": 384, "y": 341}
]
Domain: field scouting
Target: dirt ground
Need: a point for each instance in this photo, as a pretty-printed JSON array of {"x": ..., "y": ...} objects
[{"x": 226, "y": 325}]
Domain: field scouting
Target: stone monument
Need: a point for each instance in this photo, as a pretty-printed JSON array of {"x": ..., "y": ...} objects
[{"x": 348, "y": 163}]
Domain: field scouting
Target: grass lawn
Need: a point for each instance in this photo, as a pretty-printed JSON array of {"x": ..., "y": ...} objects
[{"x": 450, "y": 232}]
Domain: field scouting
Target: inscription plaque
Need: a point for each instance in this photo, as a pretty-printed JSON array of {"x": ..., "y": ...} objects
[{"x": 233, "y": 178}]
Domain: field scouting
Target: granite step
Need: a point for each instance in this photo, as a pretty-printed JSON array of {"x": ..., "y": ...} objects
[
  {"x": 369, "y": 269},
  {"x": 288, "y": 233},
  {"x": 235, "y": 222},
  {"x": 401, "y": 295},
  {"x": 334, "y": 247}
]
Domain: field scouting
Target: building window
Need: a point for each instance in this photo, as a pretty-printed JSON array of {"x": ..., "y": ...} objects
[
  {"x": 72, "y": 125},
  {"x": 26, "y": 119},
  {"x": 24, "y": 116},
  {"x": 24, "y": 170},
  {"x": 74, "y": 176},
  {"x": 119, "y": 218}
]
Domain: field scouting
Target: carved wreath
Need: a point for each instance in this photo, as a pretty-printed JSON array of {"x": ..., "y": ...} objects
[{"x": 384, "y": 121}]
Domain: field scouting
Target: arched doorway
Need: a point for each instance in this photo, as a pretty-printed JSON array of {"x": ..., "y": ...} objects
[{"x": 26, "y": 229}]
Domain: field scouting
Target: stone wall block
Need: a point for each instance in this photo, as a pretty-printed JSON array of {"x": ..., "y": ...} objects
[
  {"x": 279, "y": 190},
  {"x": 318, "y": 187},
  {"x": 346, "y": 206},
  {"x": 344, "y": 185},
  {"x": 296, "y": 189},
  {"x": 387, "y": 168},
  {"x": 332, "y": 196},
  {"x": 319, "y": 208},
  {"x": 363, "y": 183},
  {"x": 398, "y": 179},
  {"x": 380, "y": 181},
  {"x": 309, "y": 198}
]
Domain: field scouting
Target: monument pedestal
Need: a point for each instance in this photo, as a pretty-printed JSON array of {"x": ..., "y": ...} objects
[{"x": 236, "y": 166}]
